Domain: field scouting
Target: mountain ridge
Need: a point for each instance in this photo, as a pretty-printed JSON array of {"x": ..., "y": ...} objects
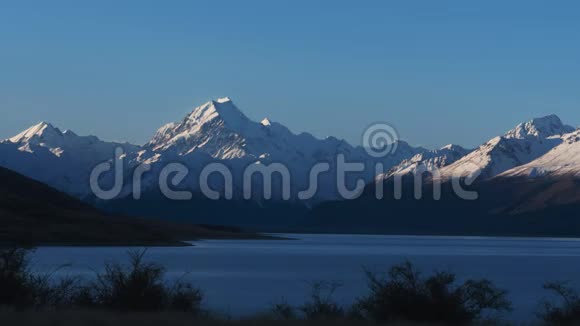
[
  {"x": 520, "y": 145},
  {"x": 32, "y": 214},
  {"x": 217, "y": 131},
  {"x": 534, "y": 166}
]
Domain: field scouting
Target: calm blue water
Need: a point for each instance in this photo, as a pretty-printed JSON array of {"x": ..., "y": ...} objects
[{"x": 242, "y": 277}]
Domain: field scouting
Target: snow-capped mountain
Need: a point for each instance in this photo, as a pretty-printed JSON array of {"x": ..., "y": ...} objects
[
  {"x": 221, "y": 131},
  {"x": 216, "y": 131},
  {"x": 548, "y": 182},
  {"x": 426, "y": 161},
  {"x": 526, "y": 142},
  {"x": 562, "y": 160},
  {"x": 544, "y": 127},
  {"x": 60, "y": 159}
]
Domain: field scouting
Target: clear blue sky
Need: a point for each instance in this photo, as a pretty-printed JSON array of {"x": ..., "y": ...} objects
[{"x": 440, "y": 71}]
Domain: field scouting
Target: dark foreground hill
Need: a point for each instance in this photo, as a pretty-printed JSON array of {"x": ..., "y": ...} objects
[
  {"x": 504, "y": 207},
  {"x": 32, "y": 213}
]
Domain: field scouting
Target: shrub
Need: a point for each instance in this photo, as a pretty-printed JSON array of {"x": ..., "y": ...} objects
[
  {"x": 568, "y": 312},
  {"x": 284, "y": 311},
  {"x": 140, "y": 287},
  {"x": 184, "y": 297},
  {"x": 405, "y": 296},
  {"x": 321, "y": 305},
  {"x": 20, "y": 288},
  {"x": 15, "y": 279}
]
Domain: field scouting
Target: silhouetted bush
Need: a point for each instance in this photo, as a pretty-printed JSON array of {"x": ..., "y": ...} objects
[
  {"x": 16, "y": 284},
  {"x": 321, "y": 305},
  {"x": 567, "y": 312},
  {"x": 136, "y": 288},
  {"x": 21, "y": 288},
  {"x": 184, "y": 297},
  {"x": 319, "y": 308},
  {"x": 49, "y": 293},
  {"x": 405, "y": 296},
  {"x": 284, "y": 311},
  {"x": 139, "y": 287}
]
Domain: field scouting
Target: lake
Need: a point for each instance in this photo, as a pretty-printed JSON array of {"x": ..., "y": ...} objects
[{"x": 242, "y": 277}]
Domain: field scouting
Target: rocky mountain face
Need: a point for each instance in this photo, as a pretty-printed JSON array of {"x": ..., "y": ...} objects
[
  {"x": 61, "y": 159},
  {"x": 427, "y": 161},
  {"x": 532, "y": 168},
  {"x": 216, "y": 131},
  {"x": 523, "y": 144}
]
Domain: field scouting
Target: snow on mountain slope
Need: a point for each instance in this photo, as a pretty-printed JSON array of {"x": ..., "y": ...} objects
[
  {"x": 548, "y": 182},
  {"x": 562, "y": 160},
  {"x": 427, "y": 161},
  {"x": 216, "y": 131},
  {"x": 219, "y": 129},
  {"x": 526, "y": 142},
  {"x": 544, "y": 127},
  {"x": 62, "y": 160},
  {"x": 215, "y": 127}
]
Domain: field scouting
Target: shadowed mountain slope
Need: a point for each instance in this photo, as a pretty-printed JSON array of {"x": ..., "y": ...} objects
[{"x": 32, "y": 213}]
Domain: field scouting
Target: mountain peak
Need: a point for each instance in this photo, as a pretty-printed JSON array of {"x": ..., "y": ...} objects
[
  {"x": 223, "y": 100},
  {"x": 542, "y": 127},
  {"x": 42, "y": 129},
  {"x": 266, "y": 122},
  {"x": 210, "y": 118},
  {"x": 222, "y": 108},
  {"x": 452, "y": 147}
]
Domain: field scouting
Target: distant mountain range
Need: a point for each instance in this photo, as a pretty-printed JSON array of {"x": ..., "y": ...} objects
[
  {"x": 528, "y": 184},
  {"x": 540, "y": 151},
  {"x": 214, "y": 131}
]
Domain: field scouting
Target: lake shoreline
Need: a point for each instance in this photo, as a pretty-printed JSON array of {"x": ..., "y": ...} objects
[
  {"x": 243, "y": 277},
  {"x": 442, "y": 235}
]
